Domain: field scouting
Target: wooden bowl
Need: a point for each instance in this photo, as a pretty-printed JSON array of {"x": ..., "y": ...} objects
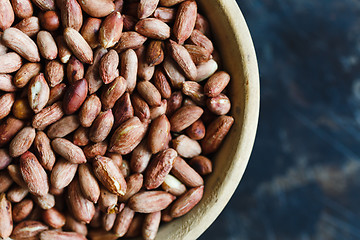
[{"x": 233, "y": 41}]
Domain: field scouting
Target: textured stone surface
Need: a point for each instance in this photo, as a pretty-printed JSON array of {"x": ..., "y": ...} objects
[{"x": 302, "y": 179}]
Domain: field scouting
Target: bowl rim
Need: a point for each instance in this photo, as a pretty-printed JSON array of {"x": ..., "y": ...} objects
[
  {"x": 193, "y": 227},
  {"x": 243, "y": 39}
]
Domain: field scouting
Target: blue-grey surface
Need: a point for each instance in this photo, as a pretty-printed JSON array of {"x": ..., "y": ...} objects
[{"x": 303, "y": 178}]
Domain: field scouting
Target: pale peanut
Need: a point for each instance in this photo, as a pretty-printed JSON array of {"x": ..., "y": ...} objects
[
  {"x": 97, "y": 8},
  {"x": 219, "y": 105},
  {"x": 45, "y": 202},
  {"x": 77, "y": 44},
  {"x": 130, "y": 40},
  {"x": 158, "y": 168},
  {"x": 45, "y": 5},
  {"x": 186, "y": 147},
  {"x": 150, "y": 201},
  {"x": 109, "y": 175},
  {"x": 123, "y": 221},
  {"x": 47, "y": 116},
  {"x": 6, "y": 102},
  {"x": 22, "y": 142},
  {"x": 7, "y": 83},
  {"x": 28, "y": 229},
  {"x": 158, "y": 134},
  {"x": 186, "y": 174},
  {"x": 165, "y": 14},
  {"x": 11, "y": 62},
  {"x": 88, "y": 183},
  {"x": 145, "y": 71},
  {"x": 63, "y": 127},
  {"x": 102, "y": 126},
  {"x": 205, "y": 70},
  {"x": 53, "y": 218},
  {"x": 156, "y": 112},
  {"x": 216, "y": 133},
  {"x": 44, "y": 151},
  {"x": 151, "y": 225},
  {"x": 5, "y": 158},
  {"x": 112, "y": 92},
  {"x": 108, "y": 66},
  {"x": 108, "y": 201},
  {"x": 71, "y": 14},
  {"x": 153, "y": 28},
  {"x": 17, "y": 194},
  {"x": 7, "y": 16},
  {"x": 81, "y": 137},
  {"x": 68, "y": 150},
  {"x": 172, "y": 71},
  {"x": 127, "y": 136},
  {"x": 184, "y": 117},
  {"x": 63, "y": 173},
  {"x": 146, "y": 8},
  {"x": 34, "y": 174},
  {"x": 173, "y": 186},
  {"x": 22, "y": 209},
  {"x": 81, "y": 208},
  {"x": 149, "y": 92},
  {"x": 47, "y": 45},
  {"x": 187, "y": 202},
  {"x": 185, "y": 20},
  {"x": 55, "y": 234},
  {"x": 22, "y": 8},
  {"x": 216, "y": 84},
  {"x": 22, "y": 44},
  {"x": 134, "y": 183},
  {"x": 73, "y": 225},
  {"x": 54, "y": 72},
  {"x": 6, "y": 223},
  {"x": 30, "y": 26},
  {"x": 140, "y": 157},
  {"x": 94, "y": 149},
  {"x": 108, "y": 221}
]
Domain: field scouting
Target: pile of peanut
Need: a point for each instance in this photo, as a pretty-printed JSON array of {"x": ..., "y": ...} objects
[{"x": 108, "y": 114}]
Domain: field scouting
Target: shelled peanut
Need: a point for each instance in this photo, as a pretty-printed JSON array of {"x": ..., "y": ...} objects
[{"x": 109, "y": 113}]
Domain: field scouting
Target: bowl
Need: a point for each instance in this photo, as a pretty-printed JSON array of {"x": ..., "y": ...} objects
[{"x": 234, "y": 43}]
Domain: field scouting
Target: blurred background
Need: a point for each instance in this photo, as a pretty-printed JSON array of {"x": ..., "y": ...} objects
[{"x": 302, "y": 181}]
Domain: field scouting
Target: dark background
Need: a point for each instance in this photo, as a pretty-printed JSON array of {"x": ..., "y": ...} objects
[{"x": 303, "y": 178}]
